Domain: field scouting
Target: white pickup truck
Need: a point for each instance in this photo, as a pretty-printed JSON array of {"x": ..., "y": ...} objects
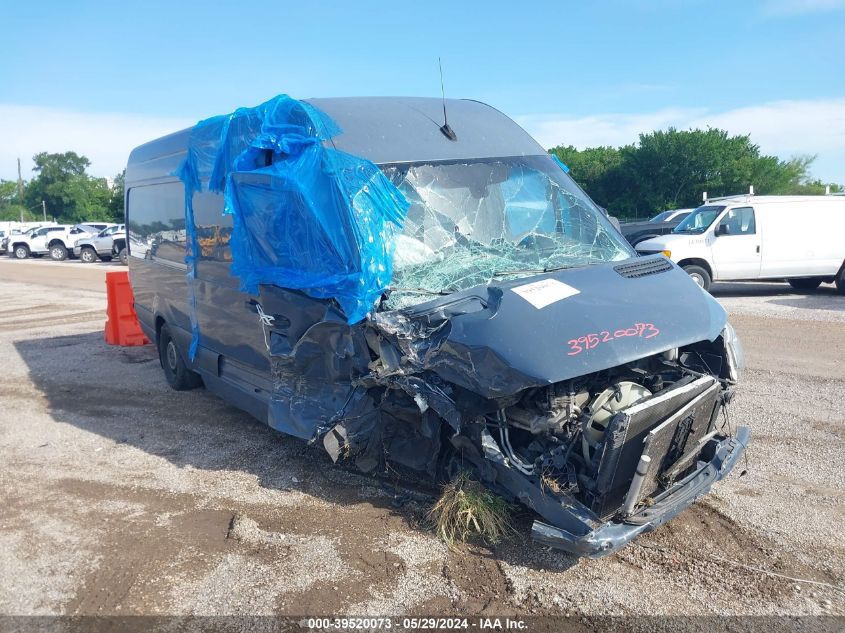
[
  {"x": 57, "y": 241},
  {"x": 108, "y": 243}
]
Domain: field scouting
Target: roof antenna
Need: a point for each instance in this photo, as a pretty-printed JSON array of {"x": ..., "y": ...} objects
[{"x": 447, "y": 131}]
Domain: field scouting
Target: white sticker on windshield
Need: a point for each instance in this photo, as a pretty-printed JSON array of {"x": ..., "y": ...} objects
[{"x": 545, "y": 292}]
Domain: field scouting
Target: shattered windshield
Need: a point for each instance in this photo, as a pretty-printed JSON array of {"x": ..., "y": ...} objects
[
  {"x": 472, "y": 222},
  {"x": 699, "y": 220}
]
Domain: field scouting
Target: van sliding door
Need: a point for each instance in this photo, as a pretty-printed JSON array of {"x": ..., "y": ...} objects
[{"x": 227, "y": 322}]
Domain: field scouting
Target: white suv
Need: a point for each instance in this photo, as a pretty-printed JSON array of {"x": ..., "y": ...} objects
[{"x": 57, "y": 241}]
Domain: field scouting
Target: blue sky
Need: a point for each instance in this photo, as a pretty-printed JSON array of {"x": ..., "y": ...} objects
[{"x": 101, "y": 78}]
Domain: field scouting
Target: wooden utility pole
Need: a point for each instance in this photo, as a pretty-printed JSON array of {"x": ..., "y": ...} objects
[{"x": 20, "y": 188}]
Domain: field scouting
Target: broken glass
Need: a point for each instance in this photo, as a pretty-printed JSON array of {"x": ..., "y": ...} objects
[{"x": 472, "y": 222}]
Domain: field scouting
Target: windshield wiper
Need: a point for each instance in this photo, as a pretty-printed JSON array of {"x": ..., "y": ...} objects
[
  {"x": 505, "y": 273},
  {"x": 529, "y": 271},
  {"x": 421, "y": 291}
]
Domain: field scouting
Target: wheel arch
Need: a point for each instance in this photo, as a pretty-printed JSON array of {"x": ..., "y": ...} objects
[
  {"x": 695, "y": 261},
  {"x": 159, "y": 323}
]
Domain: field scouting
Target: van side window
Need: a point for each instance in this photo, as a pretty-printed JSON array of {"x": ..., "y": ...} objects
[
  {"x": 739, "y": 221},
  {"x": 214, "y": 230},
  {"x": 157, "y": 222}
]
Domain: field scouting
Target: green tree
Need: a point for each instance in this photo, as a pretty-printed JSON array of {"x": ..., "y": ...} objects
[
  {"x": 11, "y": 206},
  {"x": 70, "y": 193},
  {"x": 816, "y": 188},
  {"x": 116, "y": 197},
  {"x": 670, "y": 169},
  {"x": 8, "y": 193},
  {"x": 595, "y": 169}
]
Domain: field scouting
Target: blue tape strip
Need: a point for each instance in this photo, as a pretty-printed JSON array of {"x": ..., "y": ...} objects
[
  {"x": 561, "y": 163},
  {"x": 305, "y": 216}
]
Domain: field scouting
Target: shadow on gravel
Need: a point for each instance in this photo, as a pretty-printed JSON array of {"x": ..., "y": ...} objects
[
  {"x": 769, "y": 289},
  {"x": 826, "y": 297},
  {"x": 120, "y": 394},
  {"x": 820, "y": 301}
]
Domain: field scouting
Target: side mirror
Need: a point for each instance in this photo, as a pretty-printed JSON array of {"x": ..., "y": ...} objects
[{"x": 722, "y": 229}]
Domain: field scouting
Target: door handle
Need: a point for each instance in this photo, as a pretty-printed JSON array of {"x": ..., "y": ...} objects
[{"x": 758, "y": 248}]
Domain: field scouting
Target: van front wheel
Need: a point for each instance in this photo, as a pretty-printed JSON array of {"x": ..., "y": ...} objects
[
  {"x": 807, "y": 283},
  {"x": 177, "y": 374},
  {"x": 699, "y": 276}
]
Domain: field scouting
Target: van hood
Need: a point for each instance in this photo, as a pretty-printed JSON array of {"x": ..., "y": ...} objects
[{"x": 499, "y": 339}]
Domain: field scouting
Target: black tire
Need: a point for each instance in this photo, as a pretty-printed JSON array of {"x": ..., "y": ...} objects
[
  {"x": 807, "y": 283},
  {"x": 87, "y": 255},
  {"x": 21, "y": 251},
  {"x": 699, "y": 276},
  {"x": 123, "y": 256},
  {"x": 840, "y": 281},
  {"x": 176, "y": 373},
  {"x": 58, "y": 252}
]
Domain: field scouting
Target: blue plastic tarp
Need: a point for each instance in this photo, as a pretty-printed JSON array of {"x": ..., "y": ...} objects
[{"x": 305, "y": 215}]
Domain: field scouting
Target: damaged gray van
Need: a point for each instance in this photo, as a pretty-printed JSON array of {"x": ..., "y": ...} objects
[{"x": 433, "y": 297}]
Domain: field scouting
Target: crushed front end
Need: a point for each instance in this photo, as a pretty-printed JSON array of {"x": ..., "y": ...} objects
[{"x": 605, "y": 435}]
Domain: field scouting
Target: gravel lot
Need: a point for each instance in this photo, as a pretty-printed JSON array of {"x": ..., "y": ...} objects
[{"x": 120, "y": 496}]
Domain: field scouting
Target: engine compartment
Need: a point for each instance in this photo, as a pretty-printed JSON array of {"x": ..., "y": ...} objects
[{"x": 559, "y": 437}]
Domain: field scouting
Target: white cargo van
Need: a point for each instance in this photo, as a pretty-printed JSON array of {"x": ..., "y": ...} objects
[{"x": 797, "y": 238}]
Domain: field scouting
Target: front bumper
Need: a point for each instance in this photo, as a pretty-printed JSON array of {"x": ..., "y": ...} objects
[{"x": 614, "y": 535}]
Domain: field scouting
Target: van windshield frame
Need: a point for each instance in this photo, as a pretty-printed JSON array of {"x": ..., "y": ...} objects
[{"x": 699, "y": 220}]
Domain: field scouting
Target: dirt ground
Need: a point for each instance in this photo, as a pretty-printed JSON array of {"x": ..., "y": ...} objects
[{"x": 120, "y": 496}]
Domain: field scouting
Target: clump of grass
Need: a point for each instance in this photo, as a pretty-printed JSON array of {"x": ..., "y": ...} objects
[
  {"x": 466, "y": 510},
  {"x": 548, "y": 482}
]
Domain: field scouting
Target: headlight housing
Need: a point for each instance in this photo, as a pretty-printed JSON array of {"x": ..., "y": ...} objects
[{"x": 734, "y": 353}]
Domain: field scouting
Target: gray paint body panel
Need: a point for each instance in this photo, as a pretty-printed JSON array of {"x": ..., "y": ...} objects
[
  {"x": 380, "y": 129},
  {"x": 512, "y": 345}
]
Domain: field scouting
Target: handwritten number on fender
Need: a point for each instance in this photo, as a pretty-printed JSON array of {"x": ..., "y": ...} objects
[{"x": 591, "y": 341}]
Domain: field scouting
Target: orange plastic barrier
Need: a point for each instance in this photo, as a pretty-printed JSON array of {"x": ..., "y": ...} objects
[{"x": 122, "y": 326}]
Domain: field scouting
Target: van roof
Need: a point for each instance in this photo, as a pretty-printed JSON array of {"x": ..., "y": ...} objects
[
  {"x": 752, "y": 199},
  {"x": 387, "y": 130}
]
